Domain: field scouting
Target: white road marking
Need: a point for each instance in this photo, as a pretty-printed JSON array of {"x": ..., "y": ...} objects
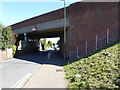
[{"x": 22, "y": 81}]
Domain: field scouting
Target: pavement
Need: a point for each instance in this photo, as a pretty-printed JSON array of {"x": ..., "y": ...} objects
[
  {"x": 15, "y": 71},
  {"x": 49, "y": 75}
]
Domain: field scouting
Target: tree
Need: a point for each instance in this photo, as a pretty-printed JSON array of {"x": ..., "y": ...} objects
[
  {"x": 43, "y": 43},
  {"x": 50, "y": 43},
  {"x": 1, "y": 37},
  {"x": 7, "y": 34},
  {"x": 5, "y": 37},
  {"x": 15, "y": 39},
  {"x": 53, "y": 44}
]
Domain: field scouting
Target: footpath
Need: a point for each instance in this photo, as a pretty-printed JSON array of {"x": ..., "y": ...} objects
[{"x": 49, "y": 75}]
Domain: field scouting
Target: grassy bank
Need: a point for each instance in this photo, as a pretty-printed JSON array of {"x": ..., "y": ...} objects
[{"x": 101, "y": 70}]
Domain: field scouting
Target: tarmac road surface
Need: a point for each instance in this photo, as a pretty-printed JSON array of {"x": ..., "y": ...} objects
[{"x": 15, "y": 70}]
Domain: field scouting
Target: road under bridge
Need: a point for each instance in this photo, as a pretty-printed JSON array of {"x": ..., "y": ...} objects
[{"x": 84, "y": 21}]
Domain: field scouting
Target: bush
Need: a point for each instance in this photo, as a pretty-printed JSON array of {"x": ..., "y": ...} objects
[
  {"x": 5, "y": 37},
  {"x": 100, "y": 70},
  {"x": 14, "y": 49},
  {"x": 22, "y": 52}
]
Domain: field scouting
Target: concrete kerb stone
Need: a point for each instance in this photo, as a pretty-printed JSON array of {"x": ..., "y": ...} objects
[
  {"x": 32, "y": 76},
  {"x": 36, "y": 74}
]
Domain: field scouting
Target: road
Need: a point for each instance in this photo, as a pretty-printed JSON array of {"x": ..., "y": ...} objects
[{"x": 17, "y": 69}]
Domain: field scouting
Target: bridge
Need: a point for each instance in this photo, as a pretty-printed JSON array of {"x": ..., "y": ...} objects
[{"x": 84, "y": 21}]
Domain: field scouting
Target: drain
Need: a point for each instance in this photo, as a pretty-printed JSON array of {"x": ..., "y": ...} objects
[{"x": 59, "y": 70}]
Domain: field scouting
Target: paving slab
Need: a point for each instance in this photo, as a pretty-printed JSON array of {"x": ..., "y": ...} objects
[{"x": 50, "y": 75}]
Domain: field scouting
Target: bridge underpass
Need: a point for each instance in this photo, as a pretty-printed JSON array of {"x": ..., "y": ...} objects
[
  {"x": 82, "y": 25},
  {"x": 30, "y": 37},
  {"x": 32, "y": 41},
  {"x": 34, "y": 37}
]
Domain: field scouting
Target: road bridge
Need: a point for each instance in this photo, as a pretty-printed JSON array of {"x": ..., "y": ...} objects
[{"x": 85, "y": 20}]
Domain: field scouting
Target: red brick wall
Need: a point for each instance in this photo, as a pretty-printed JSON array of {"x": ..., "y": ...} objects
[
  {"x": 119, "y": 16},
  {"x": 89, "y": 19}
]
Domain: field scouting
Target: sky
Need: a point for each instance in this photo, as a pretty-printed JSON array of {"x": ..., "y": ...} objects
[{"x": 13, "y": 11}]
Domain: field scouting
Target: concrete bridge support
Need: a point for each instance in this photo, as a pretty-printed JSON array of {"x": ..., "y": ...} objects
[
  {"x": 30, "y": 46},
  {"x": 24, "y": 43}
]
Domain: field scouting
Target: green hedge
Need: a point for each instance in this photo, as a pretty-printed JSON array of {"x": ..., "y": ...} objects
[
  {"x": 14, "y": 49},
  {"x": 101, "y": 70}
]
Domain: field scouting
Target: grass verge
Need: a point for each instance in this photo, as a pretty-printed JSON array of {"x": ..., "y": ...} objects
[{"x": 100, "y": 70}]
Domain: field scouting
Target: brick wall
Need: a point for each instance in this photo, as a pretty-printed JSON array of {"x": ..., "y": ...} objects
[
  {"x": 118, "y": 11},
  {"x": 89, "y": 19}
]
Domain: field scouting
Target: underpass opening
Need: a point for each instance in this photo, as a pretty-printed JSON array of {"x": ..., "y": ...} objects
[
  {"x": 52, "y": 54},
  {"x": 47, "y": 44},
  {"x": 32, "y": 41}
]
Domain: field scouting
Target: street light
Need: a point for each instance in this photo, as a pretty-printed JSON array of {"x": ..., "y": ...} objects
[{"x": 64, "y": 30}]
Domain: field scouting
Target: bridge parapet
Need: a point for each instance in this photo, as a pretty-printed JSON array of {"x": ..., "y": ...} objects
[{"x": 42, "y": 26}]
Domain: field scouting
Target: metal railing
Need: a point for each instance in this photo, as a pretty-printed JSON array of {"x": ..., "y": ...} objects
[{"x": 95, "y": 43}]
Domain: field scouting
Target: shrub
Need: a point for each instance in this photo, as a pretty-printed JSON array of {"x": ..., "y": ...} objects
[
  {"x": 5, "y": 37},
  {"x": 14, "y": 49},
  {"x": 100, "y": 70}
]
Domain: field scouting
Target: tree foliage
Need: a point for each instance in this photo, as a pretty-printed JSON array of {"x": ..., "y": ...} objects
[
  {"x": 53, "y": 44},
  {"x": 43, "y": 43},
  {"x": 50, "y": 44},
  {"x": 5, "y": 37},
  {"x": 14, "y": 39},
  {"x": 1, "y": 37}
]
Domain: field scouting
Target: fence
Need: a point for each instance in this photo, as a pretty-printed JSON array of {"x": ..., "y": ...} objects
[{"x": 95, "y": 43}]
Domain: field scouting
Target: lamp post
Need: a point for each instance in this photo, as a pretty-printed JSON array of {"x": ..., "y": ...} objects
[{"x": 64, "y": 31}]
